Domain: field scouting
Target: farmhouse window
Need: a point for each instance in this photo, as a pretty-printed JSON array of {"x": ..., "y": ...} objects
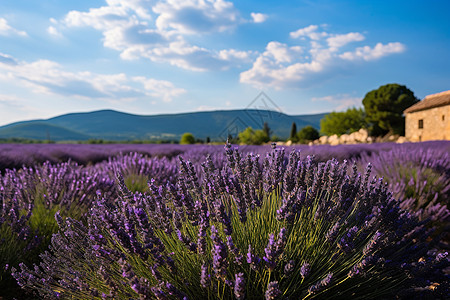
[{"x": 421, "y": 124}]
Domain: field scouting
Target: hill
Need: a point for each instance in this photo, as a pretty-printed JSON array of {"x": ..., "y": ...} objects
[{"x": 119, "y": 126}]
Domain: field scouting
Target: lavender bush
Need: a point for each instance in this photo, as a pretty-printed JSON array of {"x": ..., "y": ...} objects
[
  {"x": 137, "y": 169},
  {"x": 29, "y": 199},
  {"x": 275, "y": 229},
  {"x": 418, "y": 177}
]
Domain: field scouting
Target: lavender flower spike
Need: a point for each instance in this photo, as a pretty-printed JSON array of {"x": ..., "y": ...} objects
[
  {"x": 273, "y": 291},
  {"x": 305, "y": 270},
  {"x": 321, "y": 285},
  {"x": 205, "y": 278},
  {"x": 220, "y": 254},
  {"x": 252, "y": 259},
  {"x": 239, "y": 286}
]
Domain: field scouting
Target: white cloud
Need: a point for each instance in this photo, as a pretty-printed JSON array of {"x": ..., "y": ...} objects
[
  {"x": 317, "y": 59},
  {"x": 367, "y": 53},
  {"x": 258, "y": 17},
  {"x": 6, "y": 29},
  {"x": 160, "y": 88},
  {"x": 53, "y": 31},
  {"x": 196, "y": 16},
  {"x": 281, "y": 52},
  {"x": 340, "y": 102},
  {"x": 310, "y": 32},
  {"x": 129, "y": 27},
  {"x": 48, "y": 77},
  {"x": 339, "y": 40}
]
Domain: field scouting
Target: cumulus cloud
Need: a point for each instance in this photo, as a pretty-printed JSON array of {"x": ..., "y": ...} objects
[
  {"x": 318, "y": 56},
  {"x": 161, "y": 32},
  {"x": 258, "y": 17},
  {"x": 310, "y": 32},
  {"x": 6, "y": 29},
  {"x": 48, "y": 77},
  {"x": 340, "y": 40},
  {"x": 193, "y": 17},
  {"x": 367, "y": 53}
]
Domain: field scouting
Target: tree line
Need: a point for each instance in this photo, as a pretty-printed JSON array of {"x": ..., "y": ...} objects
[{"x": 382, "y": 114}]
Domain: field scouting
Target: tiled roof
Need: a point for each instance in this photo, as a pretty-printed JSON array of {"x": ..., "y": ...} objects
[{"x": 430, "y": 101}]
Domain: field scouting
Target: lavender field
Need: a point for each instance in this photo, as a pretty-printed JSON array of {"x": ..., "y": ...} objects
[{"x": 366, "y": 221}]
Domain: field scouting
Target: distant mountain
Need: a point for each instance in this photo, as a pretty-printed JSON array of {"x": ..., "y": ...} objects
[{"x": 119, "y": 126}]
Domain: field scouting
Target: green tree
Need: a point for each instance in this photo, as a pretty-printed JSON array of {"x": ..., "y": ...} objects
[
  {"x": 343, "y": 122},
  {"x": 384, "y": 108},
  {"x": 307, "y": 134},
  {"x": 293, "y": 135},
  {"x": 267, "y": 131},
  {"x": 253, "y": 137},
  {"x": 187, "y": 138}
]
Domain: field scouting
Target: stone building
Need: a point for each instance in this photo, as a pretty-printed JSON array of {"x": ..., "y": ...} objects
[{"x": 429, "y": 119}]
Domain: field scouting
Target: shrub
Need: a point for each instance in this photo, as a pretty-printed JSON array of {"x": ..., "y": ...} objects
[
  {"x": 187, "y": 138},
  {"x": 307, "y": 134},
  {"x": 29, "y": 199},
  {"x": 253, "y": 137},
  {"x": 283, "y": 228},
  {"x": 343, "y": 122},
  {"x": 419, "y": 178}
]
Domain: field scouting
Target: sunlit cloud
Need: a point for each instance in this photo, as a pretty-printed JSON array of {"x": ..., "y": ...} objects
[
  {"x": 131, "y": 30},
  {"x": 48, "y": 77},
  {"x": 195, "y": 17},
  {"x": 367, "y": 53},
  {"x": 316, "y": 56},
  {"x": 6, "y": 29},
  {"x": 259, "y": 17}
]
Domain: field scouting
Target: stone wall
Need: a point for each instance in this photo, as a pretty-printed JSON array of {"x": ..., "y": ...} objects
[{"x": 436, "y": 124}]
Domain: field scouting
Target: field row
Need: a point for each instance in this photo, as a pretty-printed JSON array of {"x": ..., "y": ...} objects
[{"x": 204, "y": 222}]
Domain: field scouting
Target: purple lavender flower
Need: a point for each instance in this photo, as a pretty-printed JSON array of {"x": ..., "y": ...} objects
[
  {"x": 333, "y": 232},
  {"x": 289, "y": 268},
  {"x": 158, "y": 293},
  {"x": 271, "y": 253},
  {"x": 233, "y": 249},
  {"x": 222, "y": 216},
  {"x": 305, "y": 270},
  {"x": 239, "y": 286},
  {"x": 273, "y": 291},
  {"x": 205, "y": 278},
  {"x": 321, "y": 285},
  {"x": 274, "y": 249},
  {"x": 373, "y": 243},
  {"x": 252, "y": 259},
  {"x": 219, "y": 253},
  {"x": 361, "y": 267},
  {"x": 346, "y": 242}
]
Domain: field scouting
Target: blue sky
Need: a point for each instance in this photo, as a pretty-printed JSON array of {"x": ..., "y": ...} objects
[{"x": 150, "y": 57}]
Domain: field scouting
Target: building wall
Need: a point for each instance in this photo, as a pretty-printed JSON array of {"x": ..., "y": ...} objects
[{"x": 434, "y": 127}]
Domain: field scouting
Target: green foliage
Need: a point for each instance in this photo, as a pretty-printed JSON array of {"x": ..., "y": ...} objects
[
  {"x": 343, "y": 122},
  {"x": 136, "y": 182},
  {"x": 187, "y": 138},
  {"x": 253, "y": 137},
  {"x": 384, "y": 108},
  {"x": 307, "y": 134},
  {"x": 266, "y": 129},
  {"x": 293, "y": 134}
]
